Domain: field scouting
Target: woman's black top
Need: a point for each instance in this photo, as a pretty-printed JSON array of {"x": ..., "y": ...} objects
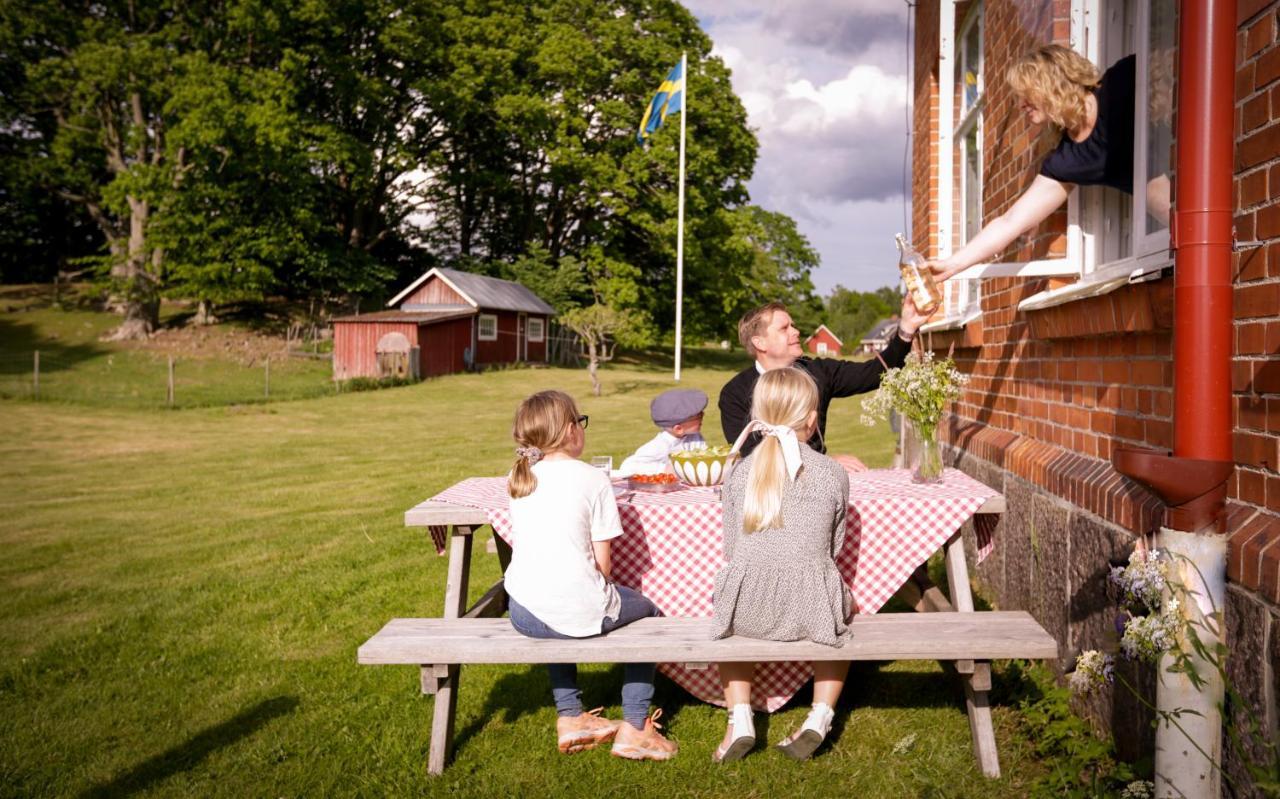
[{"x": 1106, "y": 157}]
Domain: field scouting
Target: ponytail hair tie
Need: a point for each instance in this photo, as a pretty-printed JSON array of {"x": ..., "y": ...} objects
[{"x": 531, "y": 454}]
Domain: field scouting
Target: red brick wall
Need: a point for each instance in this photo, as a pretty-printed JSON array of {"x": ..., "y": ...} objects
[{"x": 1255, "y": 491}]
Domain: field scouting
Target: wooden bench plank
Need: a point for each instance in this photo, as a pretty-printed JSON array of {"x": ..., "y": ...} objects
[{"x": 983, "y": 635}]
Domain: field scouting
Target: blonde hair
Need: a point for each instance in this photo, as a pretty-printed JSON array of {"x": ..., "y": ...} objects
[
  {"x": 542, "y": 422},
  {"x": 1057, "y": 80},
  {"x": 782, "y": 397}
]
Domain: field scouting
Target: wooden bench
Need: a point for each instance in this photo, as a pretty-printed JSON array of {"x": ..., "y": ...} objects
[{"x": 976, "y": 637}]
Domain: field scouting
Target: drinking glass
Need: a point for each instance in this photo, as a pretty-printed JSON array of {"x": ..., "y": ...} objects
[{"x": 603, "y": 462}]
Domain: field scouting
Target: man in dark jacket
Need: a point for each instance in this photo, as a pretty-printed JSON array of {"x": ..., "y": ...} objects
[{"x": 774, "y": 342}]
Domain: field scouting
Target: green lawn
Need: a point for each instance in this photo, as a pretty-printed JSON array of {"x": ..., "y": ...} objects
[{"x": 185, "y": 591}]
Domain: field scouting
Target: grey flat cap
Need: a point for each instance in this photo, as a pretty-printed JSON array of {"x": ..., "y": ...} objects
[{"x": 672, "y": 407}]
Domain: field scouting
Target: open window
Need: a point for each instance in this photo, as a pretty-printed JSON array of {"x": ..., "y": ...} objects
[
  {"x": 1115, "y": 238},
  {"x": 961, "y": 298}
]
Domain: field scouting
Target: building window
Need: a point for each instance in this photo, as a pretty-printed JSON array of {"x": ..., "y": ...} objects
[
  {"x": 1118, "y": 234},
  {"x": 822, "y": 348},
  {"x": 488, "y": 327},
  {"x": 960, "y": 295},
  {"x": 535, "y": 329}
]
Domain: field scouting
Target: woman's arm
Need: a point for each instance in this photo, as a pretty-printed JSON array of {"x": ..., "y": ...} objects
[
  {"x": 604, "y": 557},
  {"x": 1044, "y": 196}
]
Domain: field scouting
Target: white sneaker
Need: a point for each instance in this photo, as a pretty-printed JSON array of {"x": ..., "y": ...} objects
[
  {"x": 743, "y": 738},
  {"x": 802, "y": 743}
]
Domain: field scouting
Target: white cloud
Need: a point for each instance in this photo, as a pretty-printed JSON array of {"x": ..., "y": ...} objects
[{"x": 824, "y": 85}]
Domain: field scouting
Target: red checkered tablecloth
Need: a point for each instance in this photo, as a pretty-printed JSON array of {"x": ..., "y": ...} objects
[{"x": 672, "y": 547}]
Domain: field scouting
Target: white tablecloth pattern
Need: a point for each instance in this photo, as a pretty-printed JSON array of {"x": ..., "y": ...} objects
[{"x": 672, "y": 547}]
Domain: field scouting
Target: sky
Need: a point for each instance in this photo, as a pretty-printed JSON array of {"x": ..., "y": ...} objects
[{"x": 824, "y": 83}]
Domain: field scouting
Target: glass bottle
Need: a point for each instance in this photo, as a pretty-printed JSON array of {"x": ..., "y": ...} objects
[{"x": 919, "y": 279}]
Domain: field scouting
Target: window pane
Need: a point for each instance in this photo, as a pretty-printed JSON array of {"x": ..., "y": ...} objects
[
  {"x": 1159, "y": 115},
  {"x": 972, "y": 176},
  {"x": 971, "y": 66}
]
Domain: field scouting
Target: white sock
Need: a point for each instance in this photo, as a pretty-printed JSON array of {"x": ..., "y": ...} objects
[
  {"x": 819, "y": 719},
  {"x": 743, "y": 723}
]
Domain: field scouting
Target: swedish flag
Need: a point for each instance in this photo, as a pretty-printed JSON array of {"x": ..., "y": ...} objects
[{"x": 668, "y": 100}]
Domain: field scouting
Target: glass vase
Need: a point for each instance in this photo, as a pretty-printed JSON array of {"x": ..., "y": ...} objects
[{"x": 922, "y": 453}]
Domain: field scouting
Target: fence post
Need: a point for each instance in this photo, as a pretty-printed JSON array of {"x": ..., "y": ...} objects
[
  {"x": 170, "y": 381},
  {"x": 266, "y": 386},
  {"x": 35, "y": 376}
]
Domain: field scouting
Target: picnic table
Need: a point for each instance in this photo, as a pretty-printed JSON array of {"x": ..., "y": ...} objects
[{"x": 672, "y": 547}]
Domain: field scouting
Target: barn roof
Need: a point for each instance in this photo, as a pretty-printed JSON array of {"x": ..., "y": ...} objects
[
  {"x": 418, "y": 317},
  {"x": 829, "y": 333},
  {"x": 483, "y": 292},
  {"x": 882, "y": 330}
]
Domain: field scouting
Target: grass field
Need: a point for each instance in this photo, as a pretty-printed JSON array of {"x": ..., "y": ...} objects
[{"x": 185, "y": 590}]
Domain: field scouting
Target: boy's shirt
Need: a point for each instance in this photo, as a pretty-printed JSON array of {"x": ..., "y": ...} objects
[{"x": 653, "y": 456}]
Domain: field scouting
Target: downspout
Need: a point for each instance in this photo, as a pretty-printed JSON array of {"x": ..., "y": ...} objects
[{"x": 1193, "y": 480}]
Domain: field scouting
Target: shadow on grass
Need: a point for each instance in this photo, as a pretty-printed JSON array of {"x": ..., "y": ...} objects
[
  {"x": 187, "y": 756},
  {"x": 21, "y": 340}
]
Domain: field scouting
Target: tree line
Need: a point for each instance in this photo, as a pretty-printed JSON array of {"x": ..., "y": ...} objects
[{"x": 328, "y": 150}]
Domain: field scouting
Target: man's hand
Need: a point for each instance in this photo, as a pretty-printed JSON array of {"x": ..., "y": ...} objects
[
  {"x": 911, "y": 317},
  {"x": 850, "y": 463}
]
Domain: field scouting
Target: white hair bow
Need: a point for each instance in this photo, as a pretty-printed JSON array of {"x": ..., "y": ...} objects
[{"x": 786, "y": 437}]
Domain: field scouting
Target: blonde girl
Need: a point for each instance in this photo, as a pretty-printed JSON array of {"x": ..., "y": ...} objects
[
  {"x": 784, "y": 523},
  {"x": 1088, "y": 118},
  {"x": 564, "y": 518}
]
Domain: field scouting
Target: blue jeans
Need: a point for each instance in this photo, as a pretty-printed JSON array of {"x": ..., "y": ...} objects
[{"x": 637, "y": 678}]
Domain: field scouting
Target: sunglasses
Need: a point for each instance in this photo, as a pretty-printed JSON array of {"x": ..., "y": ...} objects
[{"x": 582, "y": 420}]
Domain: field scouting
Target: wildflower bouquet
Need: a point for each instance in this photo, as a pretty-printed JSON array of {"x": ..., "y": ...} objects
[{"x": 918, "y": 391}]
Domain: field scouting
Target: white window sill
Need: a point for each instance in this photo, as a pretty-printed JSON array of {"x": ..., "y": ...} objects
[
  {"x": 1104, "y": 281},
  {"x": 954, "y": 322}
]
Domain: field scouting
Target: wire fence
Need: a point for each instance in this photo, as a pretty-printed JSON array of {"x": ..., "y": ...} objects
[{"x": 152, "y": 380}]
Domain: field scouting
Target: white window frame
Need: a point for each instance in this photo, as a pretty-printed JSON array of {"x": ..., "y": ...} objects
[
  {"x": 821, "y": 348},
  {"x": 1149, "y": 253},
  {"x": 960, "y": 298},
  {"x": 480, "y": 334},
  {"x": 536, "y": 323}
]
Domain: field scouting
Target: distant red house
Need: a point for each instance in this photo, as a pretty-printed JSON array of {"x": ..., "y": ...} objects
[
  {"x": 823, "y": 342},
  {"x": 445, "y": 321}
]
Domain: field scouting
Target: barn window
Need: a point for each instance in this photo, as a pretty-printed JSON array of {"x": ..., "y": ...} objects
[
  {"x": 488, "y": 327},
  {"x": 535, "y": 329},
  {"x": 822, "y": 348}
]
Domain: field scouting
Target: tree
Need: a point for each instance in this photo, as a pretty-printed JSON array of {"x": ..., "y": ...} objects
[
  {"x": 851, "y": 314},
  {"x": 601, "y": 328}
]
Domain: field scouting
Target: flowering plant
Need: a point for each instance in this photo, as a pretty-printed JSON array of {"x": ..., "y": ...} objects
[
  {"x": 1154, "y": 623},
  {"x": 918, "y": 390}
]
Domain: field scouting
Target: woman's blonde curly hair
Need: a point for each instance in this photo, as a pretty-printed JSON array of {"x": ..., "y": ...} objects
[{"x": 1057, "y": 80}]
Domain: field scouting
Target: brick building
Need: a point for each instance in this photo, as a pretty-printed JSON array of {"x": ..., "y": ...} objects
[{"x": 1069, "y": 337}]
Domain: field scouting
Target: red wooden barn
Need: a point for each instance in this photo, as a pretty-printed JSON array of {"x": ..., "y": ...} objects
[
  {"x": 823, "y": 342},
  {"x": 446, "y": 321}
]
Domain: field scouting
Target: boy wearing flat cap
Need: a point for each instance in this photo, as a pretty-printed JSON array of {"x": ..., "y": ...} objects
[{"x": 679, "y": 413}]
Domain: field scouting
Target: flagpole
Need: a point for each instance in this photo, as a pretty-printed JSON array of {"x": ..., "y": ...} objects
[{"x": 684, "y": 113}]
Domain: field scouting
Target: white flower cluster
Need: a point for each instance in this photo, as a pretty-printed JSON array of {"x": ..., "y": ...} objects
[
  {"x": 1144, "y": 580},
  {"x": 918, "y": 390},
  {"x": 1093, "y": 670},
  {"x": 1148, "y": 637},
  {"x": 1139, "y": 789}
]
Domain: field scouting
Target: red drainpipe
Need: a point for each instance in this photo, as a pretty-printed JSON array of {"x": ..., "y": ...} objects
[
  {"x": 1202, "y": 233},
  {"x": 1193, "y": 481}
]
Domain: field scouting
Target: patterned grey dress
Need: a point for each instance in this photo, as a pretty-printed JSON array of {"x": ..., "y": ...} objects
[{"x": 782, "y": 584}]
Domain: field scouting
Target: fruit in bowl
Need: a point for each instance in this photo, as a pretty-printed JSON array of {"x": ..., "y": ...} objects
[
  {"x": 654, "y": 483},
  {"x": 701, "y": 467}
]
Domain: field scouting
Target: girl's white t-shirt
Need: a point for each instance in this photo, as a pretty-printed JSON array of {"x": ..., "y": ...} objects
[{"x": 553, "y": 570}]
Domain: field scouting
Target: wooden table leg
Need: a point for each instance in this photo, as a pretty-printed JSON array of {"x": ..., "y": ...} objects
[
  {"x": 455, "y": 600},
  {"x": 976, "y": 676}
]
